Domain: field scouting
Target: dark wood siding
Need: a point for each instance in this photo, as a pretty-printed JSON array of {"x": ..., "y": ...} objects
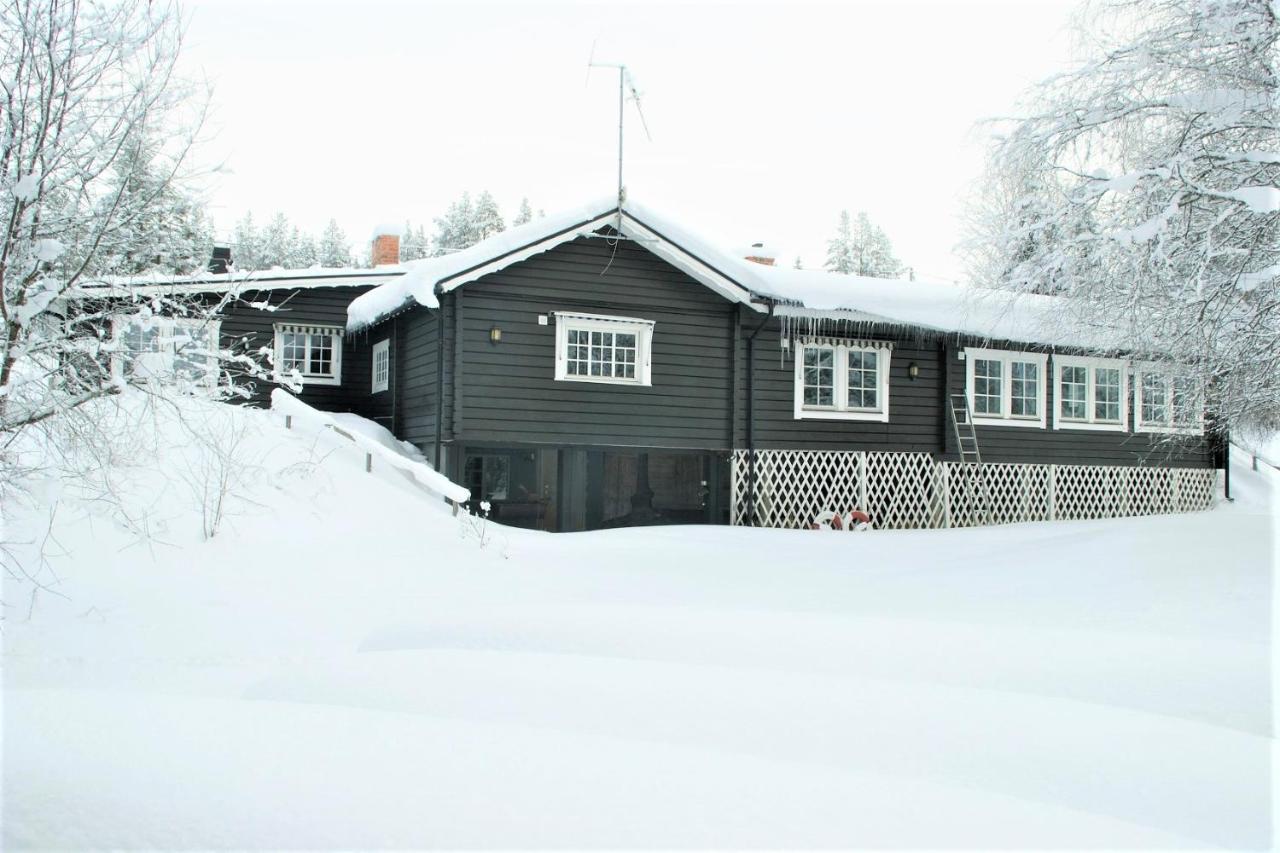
[
  {"x": 1073, "y": 447},
  {"x": 507, "y": 391},
  {"x": 253, "y": 328},
  {"x": 915, "y": 412},
  {"x": 414, "y": 373}
]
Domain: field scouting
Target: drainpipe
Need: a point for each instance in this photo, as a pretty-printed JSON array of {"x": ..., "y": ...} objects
[
  {"x": 751, "y": 417},
  {"x": 439, "y": 377}
]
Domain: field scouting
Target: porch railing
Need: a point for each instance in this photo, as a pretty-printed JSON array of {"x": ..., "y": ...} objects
[{"x": 914, "y": 490}]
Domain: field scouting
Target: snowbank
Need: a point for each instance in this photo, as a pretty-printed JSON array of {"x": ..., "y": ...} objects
[
  {"x": 373, "y": 439},
  {"x": 348, "y": 665}
]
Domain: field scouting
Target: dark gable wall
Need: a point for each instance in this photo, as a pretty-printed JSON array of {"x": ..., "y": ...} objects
[
  {"x": 253, "y": 328},
  {"x": 507, "y": 392}
]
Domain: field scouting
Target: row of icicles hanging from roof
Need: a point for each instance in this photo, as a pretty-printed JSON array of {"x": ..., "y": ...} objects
[{"x": 821, "y": 330}]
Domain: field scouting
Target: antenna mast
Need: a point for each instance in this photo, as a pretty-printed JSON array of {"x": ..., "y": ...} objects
[{"x": 624, "y": 82}]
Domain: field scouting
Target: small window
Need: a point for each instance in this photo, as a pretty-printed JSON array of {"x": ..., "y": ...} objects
[
  {"x": 312, "y": 352},
  {"x": 596, "y": 348},
  {"x": 381, "y": 365},
  {"x": 842, "y": 380},
  {"x": 171, "y": 349},
  {"x": 1006, "y": 387},
  {"x": 1167, "y": 401},
  {"x": 1090, "y": 393}
]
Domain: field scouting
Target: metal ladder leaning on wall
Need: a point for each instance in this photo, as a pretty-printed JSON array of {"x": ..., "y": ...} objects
[{"x": 976, "y": 490}]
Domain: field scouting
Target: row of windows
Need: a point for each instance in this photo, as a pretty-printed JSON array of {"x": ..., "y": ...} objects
[
  {"x": 1092, "y": 393},
  {"x": 847, "y": 380}
]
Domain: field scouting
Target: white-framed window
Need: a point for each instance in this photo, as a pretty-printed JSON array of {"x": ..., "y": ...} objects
[
  {"x": 842, "y": 379},
  {"x": 381, "y": 365},
  {"x": 1006, "y": 387},
  {"x": 313, "y": 352},
  {"x": 1166, "y": 399},
  {"x": 597, "y": 348},
  {"x": 1090, "y": 393},
  {"x": 171, "y": 349}
]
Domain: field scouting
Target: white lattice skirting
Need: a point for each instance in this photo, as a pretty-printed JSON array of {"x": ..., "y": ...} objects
[{"x": 913, "y": 490}]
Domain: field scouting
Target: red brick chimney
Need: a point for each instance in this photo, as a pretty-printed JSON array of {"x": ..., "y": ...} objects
[
  {"x": 760, "y": 254},
  {"x": 386, "y": 245}
]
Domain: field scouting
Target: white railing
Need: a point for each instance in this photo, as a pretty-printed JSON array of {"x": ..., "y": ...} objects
[{"x": 914, "y": 490}]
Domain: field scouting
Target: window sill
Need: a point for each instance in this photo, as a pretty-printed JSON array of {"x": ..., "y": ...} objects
[
  {"x": 836, "y": 415},
  {"x": 313, "y": 380},
  {"x": 605, "y": 380},
  {"x": 1093, "y": 427},
  {"x": 979, "y": 420},
  {"x": 1169, "y": 430}
]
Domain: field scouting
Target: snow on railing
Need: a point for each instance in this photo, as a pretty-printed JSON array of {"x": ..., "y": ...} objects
[
  {"x": 914, "y": 490},
  {"x": 421, "y": 473}
]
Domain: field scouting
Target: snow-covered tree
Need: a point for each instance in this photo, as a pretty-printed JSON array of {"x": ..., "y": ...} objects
[
  {"x": 163, "y": 227},
  {"x": 303, "y": 252},
  {"x": 524, "y": 215},
  {"x": 414, "y": 243},
  {"x": 455, "y": 230},
  {"x": 488, "y": 219},
  {"x": 277, "y": 243},
  {"x": 334, "y": 249},
  {"x": 246, "y": 245},
  {"x": 1144, "y": 186},
  {"x": 86, "y": 86},
  {"x": 860, "y": 247}
]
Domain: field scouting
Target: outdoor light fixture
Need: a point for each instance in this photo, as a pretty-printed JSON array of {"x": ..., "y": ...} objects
[
  {"x": 913, "y": 370},
  {"x": 495, "y": 335}
]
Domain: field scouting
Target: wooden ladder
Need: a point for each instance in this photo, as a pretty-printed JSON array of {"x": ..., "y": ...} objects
[{"x": 977, "y": 491}]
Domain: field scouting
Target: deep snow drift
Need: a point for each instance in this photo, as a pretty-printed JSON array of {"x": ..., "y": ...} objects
[{"x": 345, "y": 664}]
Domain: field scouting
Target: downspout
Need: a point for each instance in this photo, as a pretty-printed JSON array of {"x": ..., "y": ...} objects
[
  {"x": 439, "y": 375},
  {"x": 751, "y": 417}
]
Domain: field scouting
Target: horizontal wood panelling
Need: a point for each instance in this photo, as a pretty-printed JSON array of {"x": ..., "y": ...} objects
[
  {"x": 253, "y": 328},
  {"x": 508, "y": 391}
]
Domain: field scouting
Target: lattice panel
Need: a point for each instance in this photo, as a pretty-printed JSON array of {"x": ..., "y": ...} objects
[
  {"x": 903, "y": 490},
  {"x": 794, "y": 486},
  {"x": 912, "y": 490}
]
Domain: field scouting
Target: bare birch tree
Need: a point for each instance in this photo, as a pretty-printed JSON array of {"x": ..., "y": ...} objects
[{"x": 1144, "y": 187}]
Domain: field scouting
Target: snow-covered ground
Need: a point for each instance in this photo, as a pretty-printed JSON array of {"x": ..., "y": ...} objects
[{"x": 345, "y": 664}]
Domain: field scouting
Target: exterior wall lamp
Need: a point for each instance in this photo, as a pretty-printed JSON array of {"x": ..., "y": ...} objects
[
  {"x": 913, "y": 371},
  {"x": 495, "y": 336}
]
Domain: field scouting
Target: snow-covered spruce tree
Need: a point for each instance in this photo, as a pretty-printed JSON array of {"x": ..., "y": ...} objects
[
  {"x": 840, "y": 256},
  {"x": 455, "y": 230},
  {"x": 488, "y": 219},
  {"x": 334, "y": 249},
  {"x": 85, "y": 86},
  {"x": 414, "y": 244},
  {"x": 861, "y": 248},
  {"x": 246, "y": 246},
  {"x": 1144, "y": 186},
  {"x": 524, "y": 214}
]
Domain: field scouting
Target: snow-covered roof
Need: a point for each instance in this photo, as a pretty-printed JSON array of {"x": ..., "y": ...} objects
[
  {"x": 252, "y": 280},
  {"x": 936, "y": 306}
]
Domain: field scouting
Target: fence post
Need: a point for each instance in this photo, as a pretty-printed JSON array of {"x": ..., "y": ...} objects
[
  {"x": 862, "y": 482},
  {"x": 1053, "y": 492},
  {"x": 288, "y": 424},
  {"x": 945, "y": 477},
  {"x": 368, "y": 463}
]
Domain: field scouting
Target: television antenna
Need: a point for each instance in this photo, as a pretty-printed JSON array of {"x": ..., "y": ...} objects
[{"x": 625, "y": 84}]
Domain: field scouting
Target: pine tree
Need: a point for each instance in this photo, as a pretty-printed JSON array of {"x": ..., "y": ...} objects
[
  {"x": 454, "y": 229},
  {"x": 246, "y": 248},
  {"x": 334, "y": 250},
  {"x": 840, "y": 254},
  {"x": 413, "y": 245},
  {"x": 277, "y": 243},
  {"x": 797, "y": 264},
  {"x": 524, "y": 215},
  {"x": 488, "y": 219},
  {"x": 873, "y": 251},
  {"x": 303, "y": 254}
]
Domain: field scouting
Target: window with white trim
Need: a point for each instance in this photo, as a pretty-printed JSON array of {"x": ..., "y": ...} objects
[
  {"x": 1166, "y": 400},
  {"x": 171, "y": 349},
  {"x": 313, "y": 352},
  {"x": 1006, "y": 387},
  {"x": 381, "y": 355},
  {"x": 1090, "y": 393},
  {"x": 842, "y": 379},
  {"x": 598, "y": 348}
]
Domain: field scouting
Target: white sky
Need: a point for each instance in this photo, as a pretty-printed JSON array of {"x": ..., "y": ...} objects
[{"x": 767, "y": 120}]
